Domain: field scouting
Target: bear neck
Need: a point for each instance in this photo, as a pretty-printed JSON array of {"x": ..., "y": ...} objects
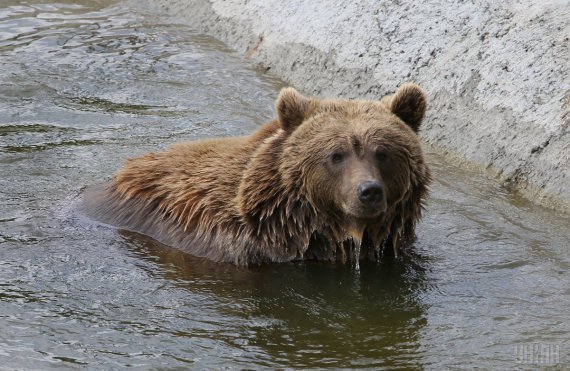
[{"x": 278, "y": 216}]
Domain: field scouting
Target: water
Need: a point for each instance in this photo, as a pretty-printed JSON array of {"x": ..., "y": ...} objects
[{"x": 85, "y": 85}]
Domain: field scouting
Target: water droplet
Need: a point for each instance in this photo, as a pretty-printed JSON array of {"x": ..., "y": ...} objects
[{"x": 357, "y": 246}]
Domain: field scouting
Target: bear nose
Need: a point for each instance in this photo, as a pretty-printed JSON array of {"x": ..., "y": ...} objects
[{"x": 370, "y": 192}]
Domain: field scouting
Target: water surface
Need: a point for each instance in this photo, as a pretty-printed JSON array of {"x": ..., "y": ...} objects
[{"x": 86, "y": 84}]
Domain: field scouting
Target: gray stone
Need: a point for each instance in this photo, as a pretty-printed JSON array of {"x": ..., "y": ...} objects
[{"x": 497, "y": 73}]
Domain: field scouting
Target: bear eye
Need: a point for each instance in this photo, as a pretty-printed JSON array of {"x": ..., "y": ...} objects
[
  {"x": 381, "y": 154},
  {"x": 337, "y": 158}
]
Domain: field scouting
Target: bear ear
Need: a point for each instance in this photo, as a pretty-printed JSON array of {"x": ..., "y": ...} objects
[
  {"x": 291, "y": 108},
  {"x": 409, "y": 104}
]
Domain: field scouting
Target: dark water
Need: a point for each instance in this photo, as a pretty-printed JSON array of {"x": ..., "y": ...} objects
[{"x": 85, "y": 85}]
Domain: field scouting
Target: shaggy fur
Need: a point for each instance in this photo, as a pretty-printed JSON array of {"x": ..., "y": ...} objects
[{"x": 276, "y": 195}]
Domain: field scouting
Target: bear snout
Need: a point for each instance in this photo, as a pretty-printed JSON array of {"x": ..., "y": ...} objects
[{"x": 370, "y": 193}]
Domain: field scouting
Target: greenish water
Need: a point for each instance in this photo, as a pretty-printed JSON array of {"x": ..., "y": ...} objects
[{"x": 85, "y": 85}]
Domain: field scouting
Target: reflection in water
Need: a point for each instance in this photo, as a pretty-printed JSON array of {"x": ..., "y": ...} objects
[
  {"x": 86, "y": 84},
  {"x": 308, "y": 314}
]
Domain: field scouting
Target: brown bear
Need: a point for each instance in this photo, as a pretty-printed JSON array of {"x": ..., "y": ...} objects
[{"x": 321, "y": 173}]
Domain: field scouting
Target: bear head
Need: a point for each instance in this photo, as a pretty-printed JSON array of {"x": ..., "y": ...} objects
[{"x": 342, "y": 165}]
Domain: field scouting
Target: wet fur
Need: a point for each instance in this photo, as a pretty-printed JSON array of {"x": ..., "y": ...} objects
[{"x": 236, "y": 200}]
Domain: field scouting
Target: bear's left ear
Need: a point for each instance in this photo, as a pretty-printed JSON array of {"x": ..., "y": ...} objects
[
  {"x": 292, "y": 109},
  {"x": 409, "y": 104}
]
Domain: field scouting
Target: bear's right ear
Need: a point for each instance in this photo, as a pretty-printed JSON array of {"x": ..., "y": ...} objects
[{"x": 292, "y": 109}]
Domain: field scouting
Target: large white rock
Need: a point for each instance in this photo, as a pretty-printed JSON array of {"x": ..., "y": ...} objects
[{"x": 497, "y": 73}]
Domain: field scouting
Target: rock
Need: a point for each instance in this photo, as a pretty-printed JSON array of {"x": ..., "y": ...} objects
[{"x": 498, "y": 74}]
